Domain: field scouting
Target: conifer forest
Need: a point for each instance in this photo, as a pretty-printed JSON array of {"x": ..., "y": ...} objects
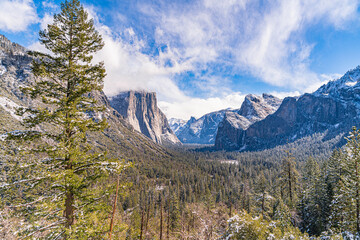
[{"x": 76, "y": 163}]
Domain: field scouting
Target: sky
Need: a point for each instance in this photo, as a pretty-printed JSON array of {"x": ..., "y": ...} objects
[{"x": 201, "y": 56}]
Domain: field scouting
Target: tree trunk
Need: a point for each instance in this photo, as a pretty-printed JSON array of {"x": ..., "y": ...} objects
[
  {"x": 147, "y": 216},
  {"x": 357, "y": 196},
  {"x": 114, "y": 206},
  {"x": 69, "y": 200},
  {"x": 263, "y": 204},
  {"x": 161, "y": 220},
  {"x": 168, "y": 224},
  {"x": 142, "y": 225},
  {"x": 290, "y": 187},
  {"x": 69, "y": 208}
]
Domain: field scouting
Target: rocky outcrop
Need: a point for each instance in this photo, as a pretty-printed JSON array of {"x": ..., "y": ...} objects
[
  {"x": 198, "y": 131},
  {"x": 333, "y": 109},
  {"x": 119, "y": 139},
  {"x": 231, "y": 128},
  {"x": 140, "y": 109}
]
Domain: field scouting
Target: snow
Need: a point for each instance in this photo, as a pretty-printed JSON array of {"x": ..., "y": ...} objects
[
  {"x": 196, "y": 127},
  {"x": 2, "y": 70},
  {"x": 243, "y": 148},
  {"x": 10, "y": 107},
  {"x": 176, "y": 124},
  {"x": 350, "y": 84}
]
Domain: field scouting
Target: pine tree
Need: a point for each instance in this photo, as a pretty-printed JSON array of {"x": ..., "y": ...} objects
[
  {"x": 310, "y": 202},
  {"x": 346, "y": 203},
  {"x": 289, "y": 180},
  {"x": 60, "y": 195},
  {"x": 262, "y": 195}
]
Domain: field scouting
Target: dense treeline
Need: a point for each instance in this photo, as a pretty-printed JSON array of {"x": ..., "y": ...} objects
[
  {"x": 174, "y": 198},
  {"x": 55, "y": 184}
]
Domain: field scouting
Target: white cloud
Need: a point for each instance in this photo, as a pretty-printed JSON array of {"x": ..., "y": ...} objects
[
  {"x": 266, "y": 39},
  {"x": 277, "y": 52},
  {"x": 268, "y": 43},
  {"x": 17, "y": 15},
  {"x": 197, "y": 107},
  {"x": 47, "y": 19}
]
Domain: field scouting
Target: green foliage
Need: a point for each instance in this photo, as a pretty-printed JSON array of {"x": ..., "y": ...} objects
[
  {"x": 243, "y": 226},
  {"x": 289, "y": 180},
  {"x": 53, "y": 182},
  {"x": 346, "y": 203}
]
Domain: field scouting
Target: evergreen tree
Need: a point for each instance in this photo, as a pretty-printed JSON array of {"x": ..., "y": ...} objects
[
  {"x": 60, "y": 195},
  {"x": 262, "y": 195},
  {"x": 346, "y": 203},
  {"x": 310, "y": 202},
  {"x": 289, "y": 180}
]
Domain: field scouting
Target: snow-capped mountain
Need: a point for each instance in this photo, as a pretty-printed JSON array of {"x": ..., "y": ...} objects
[
  {"x": 253, "y": 109},
  {"x": 204, "y": 130},
  {"x": 333, "y": 109},
  {"x": 177, "y": 124},
  {"x": 198, "y": 131}
]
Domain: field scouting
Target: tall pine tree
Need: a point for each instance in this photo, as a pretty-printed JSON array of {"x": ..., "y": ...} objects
[
  {"x": 59, "y": 192},
  {"x": 346, "y": 203}
]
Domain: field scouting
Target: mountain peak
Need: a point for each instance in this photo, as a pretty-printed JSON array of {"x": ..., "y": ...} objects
[
  {"x": 9, "y": 47},
  {"x": 342, "y": 88},
  {"x": 258, "y": 107},
  {"x": 140, "y": 109}
]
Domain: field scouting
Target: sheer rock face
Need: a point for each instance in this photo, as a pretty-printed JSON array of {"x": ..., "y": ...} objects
[
  {"x": 119, "y": 139},
  {"x": 231, "y": 128},
  {"x": 140, "y": 109},
  {"x": 333, "y": 109}
]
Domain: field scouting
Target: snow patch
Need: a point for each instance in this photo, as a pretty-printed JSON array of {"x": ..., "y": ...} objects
[
  {"x": 10, "y": 107},
  {"x": 243, "y": 148},
  {"x": 2, "y": 70},
  {"x": 350, "y": 84}
]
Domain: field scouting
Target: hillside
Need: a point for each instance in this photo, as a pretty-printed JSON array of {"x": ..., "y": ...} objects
[{"x": 120, "y": 139}]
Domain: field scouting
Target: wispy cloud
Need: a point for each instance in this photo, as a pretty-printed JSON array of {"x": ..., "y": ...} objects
[
  {"x": 265, "y": 39},
  {"x": 17, "y": 15},
  {"x": 197, "y": 107}
]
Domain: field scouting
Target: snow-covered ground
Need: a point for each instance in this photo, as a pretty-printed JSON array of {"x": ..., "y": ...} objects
[{"x": 10, "y": 107}]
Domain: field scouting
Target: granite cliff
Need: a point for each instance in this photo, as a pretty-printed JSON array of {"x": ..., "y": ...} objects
[
  {"x": 333, "y": 109},
  {"x": 119, "y": 138},
  {"x": 253, "y": 109},
  {"x": 140, "y": 109}
]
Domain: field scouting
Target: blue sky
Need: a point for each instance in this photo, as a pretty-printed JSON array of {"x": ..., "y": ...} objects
[{"x": 206, "y": 55}]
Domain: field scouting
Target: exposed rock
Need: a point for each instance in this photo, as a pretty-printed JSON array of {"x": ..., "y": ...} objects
[
  {"x": 177, "y": 124},
  {"x": 334, "y": 108},
  {"x": 119, "y": 139},
  {"x": 140, "y": 109},
  {"x": 231, "y": 128},
  {"x": 199, "y": 131}
]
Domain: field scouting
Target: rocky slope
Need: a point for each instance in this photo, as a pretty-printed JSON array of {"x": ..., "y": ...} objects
[
  {"x": 120, "y": 140},
  {"x": 140, "y": 109},
  {"x": 205, "y": 129},
  {"x": 333, "y": 109},
  {"x": 198, "y": 131},
  {"x": 253, "y": 109}
]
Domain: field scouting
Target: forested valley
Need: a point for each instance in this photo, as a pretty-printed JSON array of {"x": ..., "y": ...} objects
[{"x": 71, "y": 167}]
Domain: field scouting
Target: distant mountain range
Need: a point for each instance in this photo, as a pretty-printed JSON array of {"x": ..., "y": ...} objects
[
  {"x": 265, "y": 121},
  {"x": 198, "y": 131},
  {"x": 136, "y": 122},
  {"x": 334, "y": 108},
  {"x": 205, "y": 129}
]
